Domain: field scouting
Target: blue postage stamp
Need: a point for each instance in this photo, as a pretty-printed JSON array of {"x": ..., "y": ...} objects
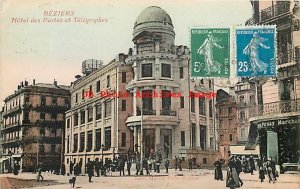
[{"x": 256, "y": 51}]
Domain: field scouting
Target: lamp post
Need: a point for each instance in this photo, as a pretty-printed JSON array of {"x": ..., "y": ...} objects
[
  {"x": 102, "y": 149},
  {"x": 142, "y": 140}
]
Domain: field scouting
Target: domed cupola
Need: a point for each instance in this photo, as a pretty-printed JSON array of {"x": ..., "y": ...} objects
[{"x": 154, "y": 24}]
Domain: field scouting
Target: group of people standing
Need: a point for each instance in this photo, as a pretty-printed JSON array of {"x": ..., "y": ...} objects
[{"x": 236, "y": 165}]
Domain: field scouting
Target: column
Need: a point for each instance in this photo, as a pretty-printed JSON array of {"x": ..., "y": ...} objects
[
  {"x": 85, "y": 128},
  {"x": 134, "y": 102},
  {"x": 157, "y": 138},
  {"x": 94, "y": 126},
  {"x": 139, "y": 138},
  {"x": 158, "y": 101},
  {"x": 135, "y": 139},
  {"x": 102, "y": 125},
  {"x": 135, "y": 70},
  {"x": 272, "y": 145},
  {"x": 78, "y": 132},
  {"x": 156, "y": 70}
]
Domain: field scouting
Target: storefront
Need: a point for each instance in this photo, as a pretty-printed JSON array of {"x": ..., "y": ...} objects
[{"x": 278, "y": 138}]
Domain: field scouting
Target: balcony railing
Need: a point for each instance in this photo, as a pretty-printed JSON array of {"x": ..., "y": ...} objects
[
  {"x": 52, "y": 107},
  {"x": 50, "y": 123},
  {"x": 283, "y": 106},
  {"x": 270, "y": 12},
  {"x": 274, "y": 11},
  {"x": 10, "y": 140},
  {"x": 287, "y": 56},
  {"x": 11, "y": 125},
  {"x": 16, "y": 109},
  {"x": 168, "y": 112},
  {"x": 146, "y": 112}
]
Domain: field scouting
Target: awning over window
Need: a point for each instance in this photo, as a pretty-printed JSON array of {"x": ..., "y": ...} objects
[
  {"x": 240, "y": 150},
  {"x": 252, "y": 137}
]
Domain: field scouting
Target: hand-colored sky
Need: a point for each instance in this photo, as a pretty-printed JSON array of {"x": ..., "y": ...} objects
[{"x": 44, "y": 51}]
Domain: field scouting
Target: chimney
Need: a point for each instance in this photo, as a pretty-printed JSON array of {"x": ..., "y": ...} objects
[
  {"x": 55, "y": 83},
  {"x": 26, "y": 83},
  {"x": 22, "y": 84},
  {"x": 33, "y": 82},
  {"x": 19, "y": 87}
]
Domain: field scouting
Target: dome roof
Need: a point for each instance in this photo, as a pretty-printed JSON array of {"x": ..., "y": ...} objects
[
  {"x": 153, "y": 19},
  {"x": 153, "y": 14}
]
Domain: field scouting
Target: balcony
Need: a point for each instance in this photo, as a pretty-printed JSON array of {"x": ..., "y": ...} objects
[
  {"x": 11, "y": 111},
  {"x": 10, "y": 140},
  {"x": 168, "y": 112},
  {"x": 284, "y": 106},
  {"x": 288, "y": 55},
  {"x": 271, "y": 12},
  {"x": 12, "y": 125},
  {"x": 145, "y": 112},
  {"x": 52, "y": 107},
  {"x": 50, "y": 123}
]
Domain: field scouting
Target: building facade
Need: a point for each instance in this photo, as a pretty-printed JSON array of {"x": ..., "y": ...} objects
[
  {"x": 100, "y": 104},
  {"x": 175, "y": 122},
  {"x": 227, "y": 126},
  {"x": 276, "y": 118},
  {"x": 33, "y": 122},
  {"x": 161, "y": 114}
]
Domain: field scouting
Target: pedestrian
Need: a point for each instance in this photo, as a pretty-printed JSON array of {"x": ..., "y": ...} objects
[
  {"x": 261, "y": 174},
  {"x": 180, "y": 164},
  {"x": 137, "y": 166},
  {"x": 270, "y": 171},
  {"x": 238, "y": 165},
  {"x": 145, "y": 165},
  {"x": 218, "y": 170},
  {"x": 176, "y": 163},
  {"x": 128, "y": 166},
  {"x": 16, "y": 168},
  {"x": 190, "y": 163},
  {"x": 149, "y": 164},
  {"x": 76, "y": 169},
  {"x": 39, "y": 174},
  {"x": 72, "y": 181},
  {"x": 121, "y": 166},
  {"x": 97, "y": 167},
  {"x": 63, "y": 169},
  {"x": 71, "y": 167},
  {"x": 167, "y": 163},
  {"x": 252, "y": 164},
  {"x": 90, "y": 170},
  {"x": 232, "y": 179},
  {"x": 157, "y": 164}
]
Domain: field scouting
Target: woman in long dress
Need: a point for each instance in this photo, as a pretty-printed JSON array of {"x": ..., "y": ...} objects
[
  {"x": 232, "y": 179},
  {"x": 218, "y": 170}
]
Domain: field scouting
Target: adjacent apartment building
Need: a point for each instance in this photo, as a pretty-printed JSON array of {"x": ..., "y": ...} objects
[
  {"x": 33, "y": 125},
  {"x": 276, "y": 118}
]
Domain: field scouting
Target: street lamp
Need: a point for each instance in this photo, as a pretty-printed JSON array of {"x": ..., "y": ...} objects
[{"x": 102, "y": 148}]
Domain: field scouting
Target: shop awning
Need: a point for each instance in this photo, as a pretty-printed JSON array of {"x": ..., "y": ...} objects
[
  {"x": 252, "y": 138},
  {"x": 240, "y": 150}
]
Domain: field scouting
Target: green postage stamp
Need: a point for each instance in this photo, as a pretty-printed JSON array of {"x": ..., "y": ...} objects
[{"x": 210, "y": 52}]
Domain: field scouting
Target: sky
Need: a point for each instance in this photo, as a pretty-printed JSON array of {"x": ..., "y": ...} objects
[{"x": 45, "y": 51}]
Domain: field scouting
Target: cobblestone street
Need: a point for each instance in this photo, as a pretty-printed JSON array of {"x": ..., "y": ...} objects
[{"x": 202, "y": 178}]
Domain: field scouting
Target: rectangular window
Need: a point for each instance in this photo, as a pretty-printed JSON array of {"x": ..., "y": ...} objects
[
  {"x": 209, "y": 84},
  {"x": 166, "y": 100},
  {"x": 75, "y": 146},
  {"x": 180, "y": 72},
  {"x": 98, "y": 111},
  {"x": 91, "y": 89},
  {"x": 75, "y": 119},
  {"x": 107, "y": 110},
  {"x": 81, "y": 142},
  {"x": 41, "y": 148},
  {"x": 98, "y": 86},
  {"x": 192, "y": 103},
  {"x": 82, "y": 116},
  {"x": 203, "y": 137},
  {"x": 82, "y": 94},
  {"x": 147, "y": 70},
  {"x": 147, "y": 100},
  {"x": 123, "y": 143},
  {"x": 210, "y": 108},
  {"x": 68, "y": 144},
  {"x": 54, "y": 100},
  {"x": 108, "y": 81},
  {"x": 182, "y": 137},
  {"x": 123, "y": 105},
  {"x": 98, "y": 140},
  {"x": 68, "y": 123},
  {"x": 231, "y": 137},
  {"x": 107, "y": 138},
  {"x": 242, "y": 115},
  {"x": 26, "y": 99},
  {"x": 53, "y": 148},
  {"x": 182, "y": 102},
  {"x": 193, "y": 135},
  {"x": 42, "y": 115},
  {"x": 166, "y": 70},
  {"x": 43, "y": 101},
  {"x": 123, "y": 77},
  {"x": 90, "y": 114},
  {"x": 89, "y": 141},
  {"x": 76, "y": 97},
  {"x": 202, "y": 106},
  {"x": 229, "y": 110}
]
